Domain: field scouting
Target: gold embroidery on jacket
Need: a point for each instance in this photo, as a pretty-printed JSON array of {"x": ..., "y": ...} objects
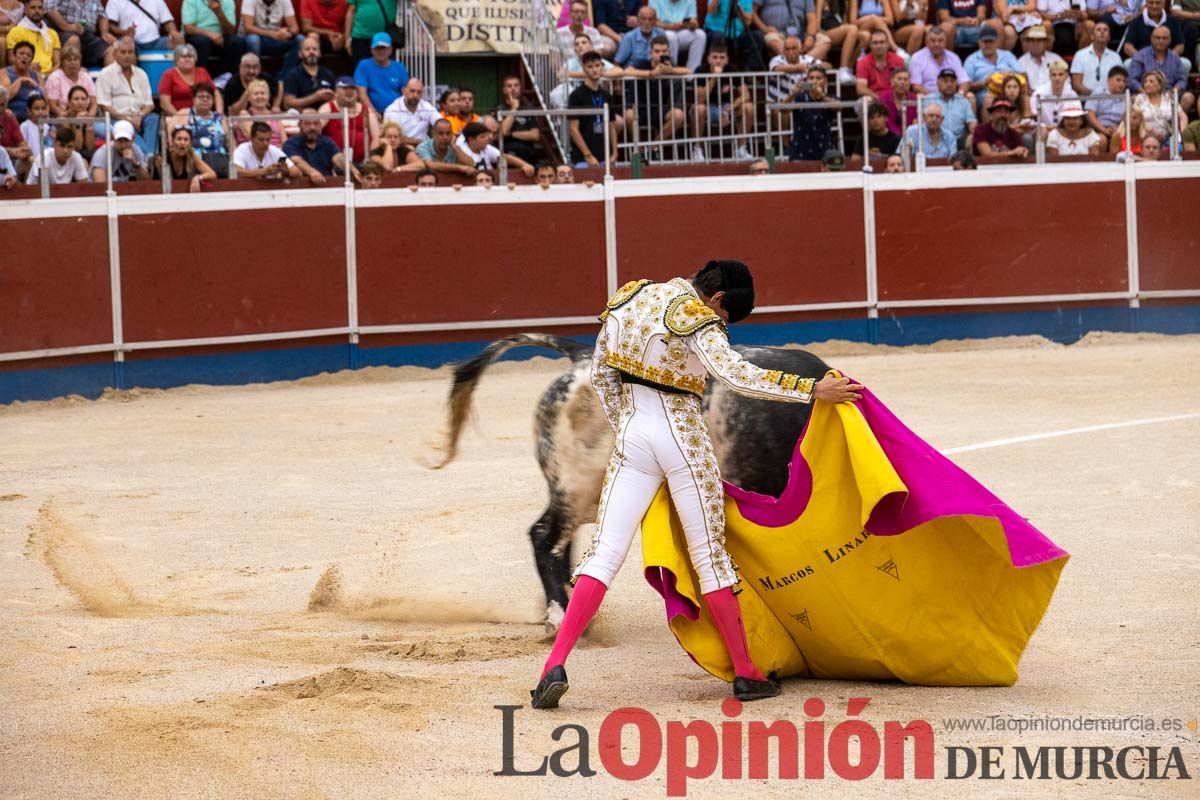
[{"x": 686, "y": 315}]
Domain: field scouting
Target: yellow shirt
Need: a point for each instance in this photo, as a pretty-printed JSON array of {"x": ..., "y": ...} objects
[{"x": 43, "y": 59}]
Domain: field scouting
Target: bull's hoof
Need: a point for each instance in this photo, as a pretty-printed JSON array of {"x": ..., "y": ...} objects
[
  {"x": 550, "y": 689},
  {"x": 554, "y": 618}
]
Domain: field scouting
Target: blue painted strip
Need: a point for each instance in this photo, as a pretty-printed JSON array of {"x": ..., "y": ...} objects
[{"x": 1061, "y": 325}]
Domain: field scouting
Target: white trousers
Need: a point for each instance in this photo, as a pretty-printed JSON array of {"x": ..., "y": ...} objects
[
  {"x": 661, "y": 437},
  {"x": 691, "y": 41}
]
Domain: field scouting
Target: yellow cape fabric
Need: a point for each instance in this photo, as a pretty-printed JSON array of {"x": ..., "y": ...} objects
[{"x": 940, "y": 604}]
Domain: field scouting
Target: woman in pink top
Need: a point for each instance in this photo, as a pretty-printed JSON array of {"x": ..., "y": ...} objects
[
  {"x": 258, "y": 95},
  {"x": 175, "y": 86},
  {"x": 69, "y": 74}
]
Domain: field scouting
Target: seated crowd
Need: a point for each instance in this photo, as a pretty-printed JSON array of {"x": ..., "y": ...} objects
[{"x": 657, "y": 64}]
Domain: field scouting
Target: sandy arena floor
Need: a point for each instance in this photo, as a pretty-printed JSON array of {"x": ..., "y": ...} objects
[{"x": 160, "y": 549}]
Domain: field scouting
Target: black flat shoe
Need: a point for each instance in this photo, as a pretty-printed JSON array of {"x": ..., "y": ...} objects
[
  {"x": 550, "y": 689},
  {"x": 746, "y": 689}
]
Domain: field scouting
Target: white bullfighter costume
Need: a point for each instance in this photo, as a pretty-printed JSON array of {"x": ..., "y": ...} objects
[{"x": 658, "y": 343}]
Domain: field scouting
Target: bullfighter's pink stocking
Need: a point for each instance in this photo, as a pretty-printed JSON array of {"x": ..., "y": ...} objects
[
  {"x": 583, "y": 605},
  {"x": 727, "y": 614}
]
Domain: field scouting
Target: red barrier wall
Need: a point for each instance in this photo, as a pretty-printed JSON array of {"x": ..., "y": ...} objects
[
  {"x": 1001, "y": 241},
  {"x": 1168, "y": 254},
  {"x": 226, "y": 273},
  {"x": 804, "y": 247},
  {"x": 56, "y": 293}
]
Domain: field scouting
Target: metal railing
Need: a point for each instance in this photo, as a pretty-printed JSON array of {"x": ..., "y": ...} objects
[
  {"x": 837, "y": 127},
  {"x": 565, "y": 114},
  {"x": 1043, "y": 135},
  {"x": 545, "y": 64},
  {"x": 420, "y": 49},
  {"x": 40, "y": 153}
]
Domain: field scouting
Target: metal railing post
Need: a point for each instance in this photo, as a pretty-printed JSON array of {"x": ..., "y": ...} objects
[
  {"x": 920, "y": 121},
  {"x": 108, "y": 153},
  {"x": 347, "y": 151},
  {"x": 44, "y": 173},
  {"x": 866, "y": 150},
  {"x": 608, "y": 158},
  {"x": 1128, "y": 125},
  {"x": 165, "y": 157},
  {"x": 1175, "y": 143}
]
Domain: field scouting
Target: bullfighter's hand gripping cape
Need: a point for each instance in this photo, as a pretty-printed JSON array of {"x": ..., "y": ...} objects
[{"x": 881, "y": 560}]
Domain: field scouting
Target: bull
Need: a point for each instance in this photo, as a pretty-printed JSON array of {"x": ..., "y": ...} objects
[{"x": 753, "y": 439}]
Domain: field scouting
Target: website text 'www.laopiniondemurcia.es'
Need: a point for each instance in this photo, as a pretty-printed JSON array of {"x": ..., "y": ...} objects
[{"x": 632, "y": 743}]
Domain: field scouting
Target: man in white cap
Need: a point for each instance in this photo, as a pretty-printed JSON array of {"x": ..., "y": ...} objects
[{"x": 128, "y": 161}]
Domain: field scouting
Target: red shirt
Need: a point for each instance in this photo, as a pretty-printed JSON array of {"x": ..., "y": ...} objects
[
  {"x": 10, "y": 131},
  {"x": 172, "y": 85},
  {"x": 324, "y": 13},
  {"x": 878, "y": 80},
  {"x": 1000, "y": 143},
  {"x": 358, "y": 131}
]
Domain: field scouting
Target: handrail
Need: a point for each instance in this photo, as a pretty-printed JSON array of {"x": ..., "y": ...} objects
[
  {"x": 420, "y": 51},
  {"x": 564, "y": 113}
]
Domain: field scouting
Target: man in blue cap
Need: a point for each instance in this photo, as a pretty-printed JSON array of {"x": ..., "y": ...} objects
[{"x": 380, "y": 79}]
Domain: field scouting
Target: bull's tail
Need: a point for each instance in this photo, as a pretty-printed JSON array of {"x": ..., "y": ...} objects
[{"x": 467, "y": 374}]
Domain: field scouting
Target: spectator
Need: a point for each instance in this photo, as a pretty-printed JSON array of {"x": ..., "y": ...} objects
[
  {"x": 521, "y": 134},
  {"x": 909, "y": 27},
  {"x": 1118, "y": 141},
  {"x": 733, "y": 23},
  {"x": 964, "y": 20},
  {"x": 427, "y": 179},
  {"x": 895, "y": 164},
  {"x": 1091, "y": 65},
  {"x": 208, "y": 129},
  {"x": 185, "y": 164},
  {"x": 881, "y": 141},
  {"x": 309, "y": 84},
  {"x": 721, "y": 104},
  {"x": 987, "y": 61},
  {"x": 635, "y": 46},
  {"x": 575, "y": 65},
  {"x": 1141, "y": 31},
  {"x": 370, "y": 175},
  {"x": 1117, "y": 13},
  {"x": 930, "y": 137},
  {"x": 1105, "y": 114},
  {"x": 1045, "y": 109},
  {"x": 413, "y": 113},
  {"x": 258, "y": 97},
  {"x": 577, "y": 25},
  {"x": 316, "y": 155},
  {"x": 475, "y": 142},
  {"x": 78, "y": 102},
  {"x": 543, "y": 174},
  {"x": 1191, "y": 137},
  {"x": 1188, "y": 14},
  {"x": 21, "y": 78},
  {"x": 614, "y": 18},
  {"x": 175, "y": 85},
  {"x": 1014, "y": 90},
  {"x": 1018, "y": 16},
  {"x": 892, "y": 100},
  {"x": 271, "y": 29},
  {"x": 1158, "y": 57},
  {"x": 1155, "y": 107},
  {"x": 148, "y": 22},
  {"x": 587, "y": 134},
  {"x": 997, "y": 137},
  {"x": 69, "y": 75},
  {"x": 1151, "y": 148},
  {"x": 250, "y": 70},
  {"x": 874, "y": 70},
  {"x": 258, "y": 158},
  {"x": 33, "y": 29},
  {"x": 484, "y": 180},
  {"x": 869, "y": 16},
  {"x": 364, "y": 19},
  {"x": 1072, "y": 137},
  {"x": 11, "y": 139},
  {"x": 840, "y": 34},
  {"x": 62, "y": 163},
  {"x": 123, "y": 91},
  {"x": 563, "y": 173},
  {"x": 833, "y": 161},
  {"x": 812, "y": 128},
  {"x": 679, "y": 20},
  {"x": 658, "y": 101},
  {"x": 928, "y": 62},
  {"x": 326, "y": 19},
  {"x": 80, "y": 24},
  {"x": 759, "y": 167},
  {"x": 8, "y": 171},
  {"x": 963, "y": 160},
  {"x": 783, "y": 18},
  {"x": 447, "y": 107},
  {"x": 794, "y": 65},
  {"x": 129, "y": 161},
  {"x": 380, "y": 79},
  {"x": 465, "y": 114},
  {"x": 36, "y": 129},
  {"x": 439, "y": 153},
  {"x": 364, "y": 125},
  {"x": 958, "y": 112},
  {"x": 1062, "y": 19},
  {"x": 211, "y": 27},
  {"x": 393, "y": 154},
  {"x": 1035, "y": 62}
]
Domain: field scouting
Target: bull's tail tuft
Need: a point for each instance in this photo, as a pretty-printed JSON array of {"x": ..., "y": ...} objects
[{"x": 467, "y": 374}]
